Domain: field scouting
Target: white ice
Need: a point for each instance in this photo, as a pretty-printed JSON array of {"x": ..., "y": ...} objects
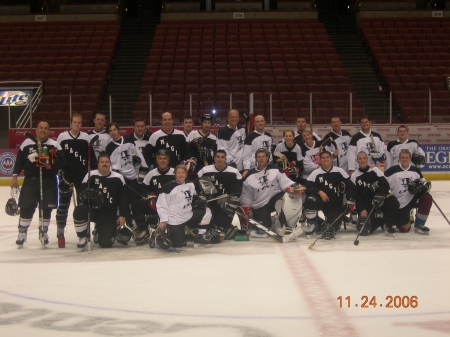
[{"x": 256, "y": 288}]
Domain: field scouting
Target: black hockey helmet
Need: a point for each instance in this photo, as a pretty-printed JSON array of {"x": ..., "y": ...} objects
[
  {"x": 163, "y": 240},
  {"x": 262, "y": 150},
  {"x": 11, "y": 207},
  {"x": 206, "y": 117},
  {"x": 64, "y": 186},
  {"x": 162, "y": 152}
]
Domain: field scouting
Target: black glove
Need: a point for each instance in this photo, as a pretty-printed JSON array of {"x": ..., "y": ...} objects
[
  {"x": 417, "y": 159},
  {"x": 349, "y": 206},
  {"x": 142, "y": 173},
  {"x": 230, "y": 206},
  {"x": 136, "y": 160},
  {"x": 378, "y": 200},
  {"x": 87, "y": 195},
  {"x": 199, "y": 202}
]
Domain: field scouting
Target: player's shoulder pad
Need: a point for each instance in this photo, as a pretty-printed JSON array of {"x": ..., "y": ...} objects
[
  {"x": 54, "y": 143},
  {"x": 391, "y": 144},
  {"x": 117, "y": 175},
  {"x": 274, "y": 167},
  {"x": 376, "y": 134},
  {"x": 226, "y": 133},
  {"x": 356, "y": 137},
  {"x": 392, "y": 170},
  {"x": 251, "y": 137}
]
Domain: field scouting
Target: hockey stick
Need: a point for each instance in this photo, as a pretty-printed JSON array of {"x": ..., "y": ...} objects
[
  {"x": 363, "y": 226},
  {"x": 93, "y": 140},
  {"x": 339, "y": 217},
  {"x": 41, "y": 192},
  {"x": 324, "y": 143},
  {"x": 435, "y": 204}
]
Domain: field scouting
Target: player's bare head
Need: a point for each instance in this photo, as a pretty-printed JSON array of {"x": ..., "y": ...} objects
[
  {"x": 260, "y": 123},
  {"x": 364, "y": 122},
  {"x": 180, "y": 173},
  {"x": 405, "y": 153},
  {"x": 307, "y": 135},
  {"x": 76, "y": 116},
  {"x": 162, "y": 159},
  {"x": 139, "y": 126},
  {"x": 362, "y": 159},
  {"x": 404, "y": 158},
  {"x": 233, "y": 117},
  {"x": 402, "y": 132},
  {"x": 220, "y": 158},
  {"x": 335, "y": 123},
  {"x": 301, "y": 123},
  {"x": 167, "y": 120},
  {"x": 76, "y": 122},
  {"x": 113, "y": 130},
  {"x": 104, "y": 162},
  {"x": 262, "y": 157},
  {"x": 99, "y": 121},
  {"x": 325, "y": 159},
  {"x": 188, "y": 123},
  {"x": 325, "y": 154},
  {"x": 42, "y": 130}
]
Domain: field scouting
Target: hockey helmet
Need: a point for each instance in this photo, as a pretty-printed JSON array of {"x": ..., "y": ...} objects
[
  {"x": 163, "y": 240},
  {"x": 11, "y": 207},
  {"x": 262, "y": 150},
  {"x": 64, "y": 186},
  {"x": 162, "y": 152},
  {"x": 206, "y": 117}
]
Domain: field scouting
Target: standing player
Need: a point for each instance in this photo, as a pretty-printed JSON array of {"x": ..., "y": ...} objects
[
  {"x": 325, "y": 188},
  {"x": 75, "y": 145},
  {"x": 310, "y": 153},
  {"x": 150, "y": 188},
  {"x": 140, "y": 136},
  {"x": 254, "y": 141},
  {"x": 227, "y": 180},
  {"x": 372, "y": 190},
  {"x": 411, "y": 189},
  {"x": 263, "y": 186},
  {"x": 203, "y": 143},
  {"x": 301, "y": 126},
  {"x": 49, "y": 161},
  {"x": 188, "y": 124},
  {"x": 288, "y": 155},
  {"x": 99, "y": 129},
  {"x": 367, "y": 141},
  {"x": 177, "y": 208},
  {"x": 339, "y": 147},
  {"x": 394, "y": 147},
  {"x": 231, "y": 139},
  {"x": 107, "y": 195},
  {"x": 170, "y": 139}
]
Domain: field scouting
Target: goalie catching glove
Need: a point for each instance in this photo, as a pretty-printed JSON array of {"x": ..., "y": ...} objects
[
  {"x": 230, "y": 205},
  {"x": 418, "y": 186},
  {"x": 92, "y": 196},
  {"x": 296, "y": 189}
]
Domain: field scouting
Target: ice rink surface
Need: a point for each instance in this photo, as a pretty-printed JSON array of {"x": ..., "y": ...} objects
[{"x": 259, "y": 288}]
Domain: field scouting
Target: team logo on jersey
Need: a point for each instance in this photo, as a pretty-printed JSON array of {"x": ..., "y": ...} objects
[
  {"x": 369, "y": 147},
  {"x": 325, "y": 183},
  {"x": 126, "y": 158},
  {"x": 188, "y": 197},
  {"x": 405, "y": 183},
  {"x": 344, "y": 149},
  {"x": 240, "y": 140},
  {"x": 265, "y": 143},
  {"x": 7, "y": 161},
  {"x": 97, "y": 181},
  {"x": 264, "y": 182}
]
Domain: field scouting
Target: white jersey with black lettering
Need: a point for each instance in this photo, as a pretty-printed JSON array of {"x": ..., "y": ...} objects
[
  {"x": 174, "y": 203},
  {"x": 121, "y": 153},
  {"x": 103, "y": 140},
  {"x": 232, "y": 142},
  {"x": 394, "y": 148},
  {"x": 399, "y": 178},
  {"x": 363, "y": 142}
]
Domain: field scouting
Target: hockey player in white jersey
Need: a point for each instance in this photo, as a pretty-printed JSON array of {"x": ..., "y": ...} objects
[
  {"x": 310, "y": 153},
  {"x": 254, "y": 141},
  {"x": 340, "y": 142},
  {"x": 367, "y": 141},
  {"x": 372, "y": 191},
  {"x": 103, "y": 137},
  {"x": 263, "y": 186},
  {"x": 411, "y": 189},
  {"x": 288, "y": 156},
  {"x": 302, "y": 126},
  {"x": 231, "y": 139},
  {"x": 179, "y": 206},
  {"x": 403, "y": 142}
]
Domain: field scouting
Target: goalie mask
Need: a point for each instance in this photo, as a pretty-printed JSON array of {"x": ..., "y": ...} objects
[
  {"x": 11, "y": 207},
  {"x": 64, "y": 186}
]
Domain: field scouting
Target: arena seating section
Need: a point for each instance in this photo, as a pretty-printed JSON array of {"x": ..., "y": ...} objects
[
  {"x": 68, "y": 57},
  {"x": 413, "y": 57},
  {"x": 208, "y": 60}
]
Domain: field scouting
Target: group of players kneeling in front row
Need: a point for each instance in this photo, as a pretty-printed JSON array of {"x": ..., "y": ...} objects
[{"x": 169, "y": 210}]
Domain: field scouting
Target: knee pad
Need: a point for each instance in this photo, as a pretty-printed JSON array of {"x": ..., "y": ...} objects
[
  {"x": 311, "y": 202},
  {"x": 310, "y": 214}
]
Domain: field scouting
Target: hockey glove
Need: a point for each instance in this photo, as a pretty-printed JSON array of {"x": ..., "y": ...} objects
[
  {"x": 418, "y": 160},
  {"x": 378, "y": 200},
  {"x": 151, "y": 199},
  {"x": 199, "y": 202},
  {"x": 190, "y": 164},
  {"x": 246, "y": 211},
  {"x": 296, "y": 189},
  {"x": 377, "y": 156},
  {"x": 418, "y": 186},
  {"x": 93, "y": 196},
  {"x": 136, "y": 160},
  {"x": 142, "y": 173},
  {"x": 291, "y": 171},
  {"x": 230, "y": 206},
  {"x": 349, "y": 206}
]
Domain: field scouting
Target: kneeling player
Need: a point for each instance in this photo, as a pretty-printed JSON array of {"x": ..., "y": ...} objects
[
  {"x": 411, "y": 189},
  {"x": 325, "y": 188},
  {"x": 372, "y": 191},
  {"x": 105, "y": 192},
  {"x": 263, "y": 186},
  {"x": 178, "y": 206}
]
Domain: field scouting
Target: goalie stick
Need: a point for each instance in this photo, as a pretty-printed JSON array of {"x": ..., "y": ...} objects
[
  {"x": 41, "y": 192},
  {"x": 280, "y": 238}
]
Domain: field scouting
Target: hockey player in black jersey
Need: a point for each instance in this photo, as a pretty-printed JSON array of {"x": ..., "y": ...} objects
[
  {"x": 231, "y": 139},
  {"x": 288, "y": 156},
  {"x": 372, "y": 191},
  {"x": 263, "y": 186},
  {"x": 411, "y": 189},
  {"x": 169, "y": 139},
  {"x": 144, "y": 211},
  {"x": 99, "y": 129},
  {"x": 325, "y": 188},
  {"x": 49, "y": 161},
  {"x": 394, "y": 147},
  {"x": 203, "y": 143},
  {"x": 75, "y": 145},
  {"x": 178, "y": 207},
  {"x": 140, "y": 136},
  {"x": 227, "y": 181},
  {"x": 107, "y": 195}
]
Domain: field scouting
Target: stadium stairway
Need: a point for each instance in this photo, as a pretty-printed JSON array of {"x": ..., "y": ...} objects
[
  {"x": 356, "y": 62},
  {"x": 128, "y": 66}
]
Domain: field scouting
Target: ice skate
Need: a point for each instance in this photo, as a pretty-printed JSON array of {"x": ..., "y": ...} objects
[
  {"x": 82, "y": 242},
  {"x": 152, "y": 240},
  {"x": 22, "y": 238},
  {"x": 140, "y": 237},
  {"x": 389, "y": 231},
  {"x": 202, "y": 240},
  {"x": 421, "y": 229},
  {"x": 43, "y": 237},
  {"x": 310, "y": 229},
  {"x": 60, "y": 237}
]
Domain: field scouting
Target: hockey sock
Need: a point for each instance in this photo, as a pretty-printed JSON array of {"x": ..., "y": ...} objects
[
  {"x": 421, "y": 219},
  {"x": 202, "y": 228},
  {"x": 425, "y": 202}
]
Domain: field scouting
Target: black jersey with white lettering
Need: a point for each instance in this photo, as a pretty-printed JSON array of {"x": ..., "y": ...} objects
[
  {"x": 328, "y": 182},
  {"x": 156, "y": 179},
  {"x": 113, "y": 190},
  {"x": 363, "y": 180},
  {"x": 174, "y": 142},
  {"x": 227, "y": 181},
  {"x": 76, "y": 152}
]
